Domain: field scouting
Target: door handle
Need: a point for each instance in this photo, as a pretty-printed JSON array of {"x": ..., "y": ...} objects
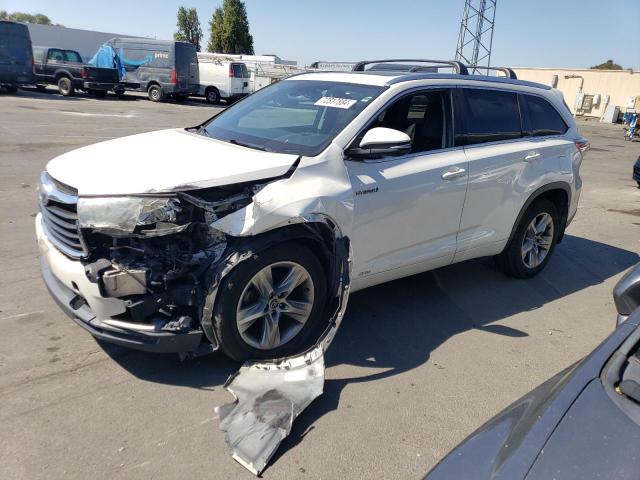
[
  {"x": 454, "y": 173},
  {"x": 531, "y": 156}
]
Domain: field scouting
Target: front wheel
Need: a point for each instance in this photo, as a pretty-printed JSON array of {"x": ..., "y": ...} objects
[
  {"x": 65, "y": 87},
  {"x": 533, "y": 243},
  {"x": 271, "y": 305}
]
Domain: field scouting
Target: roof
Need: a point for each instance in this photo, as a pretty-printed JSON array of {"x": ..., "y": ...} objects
[{"x": 385, "y": 78}]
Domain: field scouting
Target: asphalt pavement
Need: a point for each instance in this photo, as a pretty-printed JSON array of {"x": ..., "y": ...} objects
[{"x": 418, "y": 364}]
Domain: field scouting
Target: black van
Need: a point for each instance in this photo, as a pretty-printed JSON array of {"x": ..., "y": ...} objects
[
  {"x": 16, "y": 56},
  {"x": 159, "y": 67}
]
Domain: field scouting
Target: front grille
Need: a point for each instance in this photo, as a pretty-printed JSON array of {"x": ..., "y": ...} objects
[{"x": 58, "y": 205}]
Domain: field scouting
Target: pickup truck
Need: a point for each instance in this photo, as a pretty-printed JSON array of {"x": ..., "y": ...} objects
[{"x": 65, "y": 68}]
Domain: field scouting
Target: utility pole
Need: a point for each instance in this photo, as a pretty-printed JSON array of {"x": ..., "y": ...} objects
[{"x": 476, "y": 34}]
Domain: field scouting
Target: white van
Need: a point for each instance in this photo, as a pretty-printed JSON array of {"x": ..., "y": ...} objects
[{"x": 223, "y": 79}]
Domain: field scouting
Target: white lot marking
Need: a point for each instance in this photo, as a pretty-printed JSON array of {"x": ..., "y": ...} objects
[
  {"x": 20, "y": 315},
  {"x": 85, "y": 114}
]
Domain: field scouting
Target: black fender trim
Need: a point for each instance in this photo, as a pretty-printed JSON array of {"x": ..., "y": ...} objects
[{"x": 534, "y": 196}]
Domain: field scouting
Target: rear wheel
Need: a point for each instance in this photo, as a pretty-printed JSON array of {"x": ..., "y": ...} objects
[
  {"x": 212, "y": 95},
  {"x": 533, "y": 243},
  {"x": 271, "y": 305},
  {"x": 155, "y": 93},
  {"x": 65, "y": 87}
]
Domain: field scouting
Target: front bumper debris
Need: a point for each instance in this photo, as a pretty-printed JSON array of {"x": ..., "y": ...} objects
[
  {"x": 148, "y": 341},
  {"x": 268, "y": 398}
]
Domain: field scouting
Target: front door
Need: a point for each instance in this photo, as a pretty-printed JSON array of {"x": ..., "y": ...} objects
[{"x": 407, "y": 209}]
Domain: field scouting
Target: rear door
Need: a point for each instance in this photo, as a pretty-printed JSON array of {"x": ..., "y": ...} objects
[
  {"x": 407, "y": 209},
  {"x": 491, "y": 131},
  {"x": 186, "y": 65},
  {"x": 239, "y": 79},
  {"x": 16, "y": 64}
]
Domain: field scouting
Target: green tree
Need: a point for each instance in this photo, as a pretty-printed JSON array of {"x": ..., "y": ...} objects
[
  {"x": 38, "y": 18},
  {"x": 230, "y": 29},
  {"x": 216, "y": 25},
  {"x": 188, "y": 27},
  {"x": 608, "y": 65}
]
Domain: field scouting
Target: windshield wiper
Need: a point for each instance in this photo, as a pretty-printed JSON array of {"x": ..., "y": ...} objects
[{"x": 248, "y": 145}]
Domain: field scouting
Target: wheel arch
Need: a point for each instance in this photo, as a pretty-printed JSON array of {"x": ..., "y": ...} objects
[
  {"x": 62, "y": 73},
  {"x": 559, "y": 193},
  {"x": 151, "y": 84},
  {"x": 317, "y": 232}
]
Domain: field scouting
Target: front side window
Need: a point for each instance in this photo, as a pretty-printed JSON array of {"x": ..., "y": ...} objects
[
  {"x": 55, "y": 55},
  {"x": 61, "y": 56},
  {"x": 488, "y": 116},
  {"x": 293, "y": 116},
  {"x": 543, "y": 119},
  {"x": 420, "y": 115}
]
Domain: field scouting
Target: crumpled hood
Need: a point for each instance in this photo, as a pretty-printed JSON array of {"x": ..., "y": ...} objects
[{"x": 163, "y": 161}]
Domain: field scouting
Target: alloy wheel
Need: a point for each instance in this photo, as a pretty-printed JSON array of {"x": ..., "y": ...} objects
[
  {"x": 275, "y": 305},
  {"x": 538, "y": 239}
]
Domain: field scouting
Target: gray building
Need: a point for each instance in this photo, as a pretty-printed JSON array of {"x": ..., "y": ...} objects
[{"x": 85, "y": 42}]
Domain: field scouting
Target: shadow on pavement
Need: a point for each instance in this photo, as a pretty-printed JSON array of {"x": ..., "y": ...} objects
[{"x": 395, "y": 326}]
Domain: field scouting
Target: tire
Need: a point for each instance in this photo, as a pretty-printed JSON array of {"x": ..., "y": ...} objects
[
  {"x": 212, "y": 95},
  {"x": 238, "y": 292},
  {"x": 155, "y": 93},
  {"x": 65, "y": 87},
  {"x": 513, "y": 261}
]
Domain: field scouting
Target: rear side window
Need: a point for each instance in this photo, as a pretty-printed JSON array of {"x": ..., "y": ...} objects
[
  {"x": 487, "y": 116},
  {"x": 240, "y": 70},
  {"x": 542, "y": 118}
]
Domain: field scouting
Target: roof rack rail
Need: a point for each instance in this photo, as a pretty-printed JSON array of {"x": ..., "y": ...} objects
[
  {"x": 509, "y": 73},
  {"x": 459, "y": 67}
]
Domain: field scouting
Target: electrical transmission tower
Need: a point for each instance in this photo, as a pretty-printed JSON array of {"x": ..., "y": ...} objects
[{"x": 476, "y": 34}]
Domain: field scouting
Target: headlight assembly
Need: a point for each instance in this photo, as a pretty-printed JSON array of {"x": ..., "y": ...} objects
[{"x": 121, "y": 216}]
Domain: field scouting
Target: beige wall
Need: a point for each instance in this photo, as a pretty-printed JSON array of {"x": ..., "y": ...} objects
[{"x": 618, "y": 84}]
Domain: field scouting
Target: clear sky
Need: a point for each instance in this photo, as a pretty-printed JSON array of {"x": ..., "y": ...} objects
[{"x": 568, "y": 33}]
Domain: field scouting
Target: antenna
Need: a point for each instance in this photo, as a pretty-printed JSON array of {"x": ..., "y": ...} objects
[{"x": 476, "y": 34}]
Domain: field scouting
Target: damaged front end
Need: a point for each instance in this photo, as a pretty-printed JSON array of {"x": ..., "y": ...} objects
[
  {"x": 143, "y": 259},
  {"x": 150, "y": 267}
]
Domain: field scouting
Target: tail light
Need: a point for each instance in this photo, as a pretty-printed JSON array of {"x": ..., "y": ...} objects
[
  {"x": 582, "y": 145},
  {"x": 84, "y": 73},
  {"x": 231, "y": 75},
  {"x": 174, "y": 76}
]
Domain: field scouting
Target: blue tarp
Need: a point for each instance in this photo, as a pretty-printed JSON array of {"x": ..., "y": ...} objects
[{"x": 106, "y": 57}]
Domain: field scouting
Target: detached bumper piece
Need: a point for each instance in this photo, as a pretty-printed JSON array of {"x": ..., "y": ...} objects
[
  {"x": 268, "y": 398},
  {"x": 149, "y": 341}
]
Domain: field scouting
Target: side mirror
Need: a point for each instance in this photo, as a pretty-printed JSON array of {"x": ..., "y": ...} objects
[
  {"x": 381, "y": 142},
  {"x": 626, "y": 294}
]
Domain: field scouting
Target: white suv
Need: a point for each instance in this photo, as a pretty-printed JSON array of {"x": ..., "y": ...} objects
[{"x": 245, "y": 232}]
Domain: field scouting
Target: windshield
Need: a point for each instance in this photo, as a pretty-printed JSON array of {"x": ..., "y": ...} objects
[{"x": 294, "y": 116}]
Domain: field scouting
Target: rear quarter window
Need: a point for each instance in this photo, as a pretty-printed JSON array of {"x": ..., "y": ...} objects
[
  {"x": 542, "y": 118},
  {"x": 487, "y": 116}
]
